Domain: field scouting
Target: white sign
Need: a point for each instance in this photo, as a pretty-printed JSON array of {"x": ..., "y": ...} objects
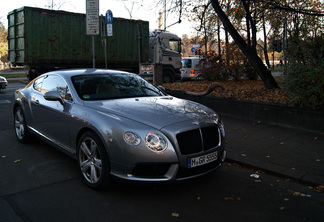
[
  {"x": 109, "y": 30},
  {"x": 92, "y": 17}
]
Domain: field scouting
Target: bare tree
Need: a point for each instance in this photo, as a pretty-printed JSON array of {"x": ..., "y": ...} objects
[{"x": 55, "y": 4}]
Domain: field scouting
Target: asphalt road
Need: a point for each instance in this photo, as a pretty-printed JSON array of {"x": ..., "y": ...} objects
[{"x": 39, "y": 183}]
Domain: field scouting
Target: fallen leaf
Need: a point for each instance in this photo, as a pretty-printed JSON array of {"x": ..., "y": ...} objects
[
  {"x": 198, "y": 198},
  {"x": 319, "y": 189},
  {"x": 257, "y": 181},
  {"x": 267, "y": 157},
  {"x": 17, "y": 161},
  {"x": 175, "y": 215},
  {"x": 242, "y": 154},
  {"x": 296, "y": 194},
  {"x": 315, "y": 138},
  {"x": 282, "y": 143}
]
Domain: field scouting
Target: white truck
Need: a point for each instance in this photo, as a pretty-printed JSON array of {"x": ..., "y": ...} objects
[{"x": 164, "y": 50}]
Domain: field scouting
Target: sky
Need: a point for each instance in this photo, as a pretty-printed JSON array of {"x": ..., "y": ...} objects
[{"x": 143, "y": 10}]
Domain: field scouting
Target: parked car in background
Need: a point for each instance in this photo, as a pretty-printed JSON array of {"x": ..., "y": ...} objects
[
  {"x": 117, "y": 124},
  {"x": 190, "y": 69},
  {"x": 3, "y": 83}
]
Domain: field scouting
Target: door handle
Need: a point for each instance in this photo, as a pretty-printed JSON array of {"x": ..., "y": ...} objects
[{"x": 36, "y": 102}]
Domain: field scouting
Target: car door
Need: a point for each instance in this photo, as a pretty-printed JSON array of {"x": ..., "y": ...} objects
[{"x": 52, "y": 118}]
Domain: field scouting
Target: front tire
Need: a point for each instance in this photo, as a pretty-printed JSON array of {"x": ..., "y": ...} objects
[
  {"x": 168, "y": 76},
  {"x": 93, "y": 161},
  {"x": 21, "y": 129}
]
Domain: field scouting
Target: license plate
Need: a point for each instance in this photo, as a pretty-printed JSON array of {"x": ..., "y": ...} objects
[{"x": 201, "y": 160}]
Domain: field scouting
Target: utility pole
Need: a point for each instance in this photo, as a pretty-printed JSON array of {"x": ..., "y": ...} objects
[{"x": 164, "y": 15}]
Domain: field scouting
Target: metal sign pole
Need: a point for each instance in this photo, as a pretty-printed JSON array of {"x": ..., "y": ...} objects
[
  {"x": 103, "y": 39},
  {"x": 93, "y": 53},
  {"x": 109, "y": 18},
  {"x": 92, "y": 23}
]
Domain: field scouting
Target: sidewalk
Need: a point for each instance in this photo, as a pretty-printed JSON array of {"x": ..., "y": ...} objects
[{"x": 294, "y": 154}]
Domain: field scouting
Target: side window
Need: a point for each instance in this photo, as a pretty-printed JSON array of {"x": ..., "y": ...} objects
[
  {"x": 38, "y": 84},
  {"x": 186, "y": 63},
  {"x": 56, "y": 83},
  {"x": 174, "y": 45}
]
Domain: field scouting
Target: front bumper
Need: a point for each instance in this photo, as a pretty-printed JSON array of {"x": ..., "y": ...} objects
[{"x": 155, "y": 172}]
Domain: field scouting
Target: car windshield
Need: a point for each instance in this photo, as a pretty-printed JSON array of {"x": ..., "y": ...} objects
[{"x": 112, "y": 86}]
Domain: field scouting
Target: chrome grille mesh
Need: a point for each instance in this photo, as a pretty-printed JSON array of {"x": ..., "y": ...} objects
[{"x": 198, "y": 140}]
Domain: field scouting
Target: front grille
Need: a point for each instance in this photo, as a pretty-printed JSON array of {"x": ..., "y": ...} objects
[{"x": 198, "y": 140}]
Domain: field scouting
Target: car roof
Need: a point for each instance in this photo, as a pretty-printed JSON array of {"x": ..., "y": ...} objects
[{"x": 73, "y": 72}]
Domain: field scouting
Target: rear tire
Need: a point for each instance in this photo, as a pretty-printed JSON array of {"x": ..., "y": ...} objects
[
  {"x": 93, "y": 161},
  {"x": 20, "y": 125}
]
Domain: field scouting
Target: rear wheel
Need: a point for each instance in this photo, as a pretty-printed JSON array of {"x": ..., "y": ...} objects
[
  {"x": 21, "y": 130},
  {"x": 93, "y": 161}
]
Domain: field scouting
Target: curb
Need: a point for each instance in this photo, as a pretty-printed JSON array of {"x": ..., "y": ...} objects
[{"x": 279, "y": 171}]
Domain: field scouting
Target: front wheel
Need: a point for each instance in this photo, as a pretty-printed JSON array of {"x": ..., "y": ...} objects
[
  {"x": 21, "y": 130},
  {"x": 168, "y": 76},
  {"x": 93, "y": 161}
]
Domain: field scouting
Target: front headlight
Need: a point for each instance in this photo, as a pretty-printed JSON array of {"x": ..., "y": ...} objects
[
  {"x": 132, "y": 138},
  {"x": 155, "y": 142}
]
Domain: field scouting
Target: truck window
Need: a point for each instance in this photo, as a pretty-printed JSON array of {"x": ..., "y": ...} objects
[
  {"x": 186, "y": 63},
  {"x": 175, "y": 45}
]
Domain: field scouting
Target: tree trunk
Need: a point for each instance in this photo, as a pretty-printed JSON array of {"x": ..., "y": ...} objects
[
  {"x": 250, "y": 54},
  {"x": 219, "y": 39},
  {"x": 265, "y": 47}
]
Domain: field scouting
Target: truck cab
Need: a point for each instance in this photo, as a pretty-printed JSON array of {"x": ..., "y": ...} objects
[{"x": 165, "y": 49}]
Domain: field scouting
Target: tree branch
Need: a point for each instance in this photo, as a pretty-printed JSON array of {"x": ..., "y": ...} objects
[{"x": 210, "y": 89}]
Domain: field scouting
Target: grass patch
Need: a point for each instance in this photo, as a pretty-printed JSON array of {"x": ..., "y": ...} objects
[{"x": 13, "y": 75}]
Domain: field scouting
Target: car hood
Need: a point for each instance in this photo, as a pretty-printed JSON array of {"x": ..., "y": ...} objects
[{"x": 157, "y": 112}]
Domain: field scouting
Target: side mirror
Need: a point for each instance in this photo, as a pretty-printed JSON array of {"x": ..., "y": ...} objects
[
  {"x": 53, "y": 96},
  {"x": 161, "y": 88}
]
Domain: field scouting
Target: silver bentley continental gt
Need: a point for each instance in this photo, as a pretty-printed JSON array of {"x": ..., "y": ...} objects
[{"x": 116, "y": 124}]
